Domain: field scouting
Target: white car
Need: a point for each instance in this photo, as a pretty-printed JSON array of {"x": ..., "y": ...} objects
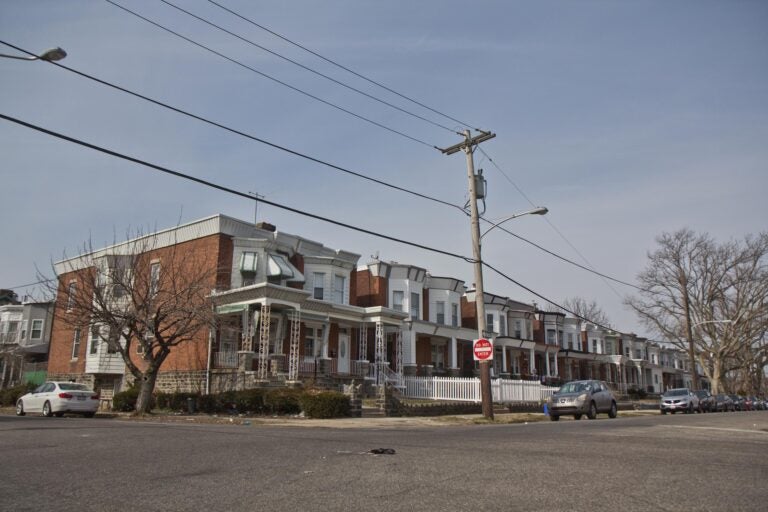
[{"x": 57, "y": 398}]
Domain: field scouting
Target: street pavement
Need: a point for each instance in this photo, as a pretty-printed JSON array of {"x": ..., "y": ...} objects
[{"x": 651, "y": 462}]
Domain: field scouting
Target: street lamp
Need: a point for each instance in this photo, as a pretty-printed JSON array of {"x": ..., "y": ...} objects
[
  {"x": 50, "y": 55},
  {"x": 539, "y": 210}
]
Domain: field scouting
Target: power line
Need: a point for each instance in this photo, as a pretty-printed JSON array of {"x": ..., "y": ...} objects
[
  {"x": 322, "y": 162},
  {"x": 297, "y": 211},
  {"x": 340, "y": 66},
  {"x": 276, "y": 80},
  {"x": 246, "y": 135},
  {"x": 307, "y": 68},
  {"x": 590, "y": 268}
]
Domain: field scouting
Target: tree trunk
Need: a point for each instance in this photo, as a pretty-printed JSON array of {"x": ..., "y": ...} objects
[{"x": 144, "y": 402}]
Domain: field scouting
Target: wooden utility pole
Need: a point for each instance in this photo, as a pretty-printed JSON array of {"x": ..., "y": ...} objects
[{"x": 468, "y": 146}]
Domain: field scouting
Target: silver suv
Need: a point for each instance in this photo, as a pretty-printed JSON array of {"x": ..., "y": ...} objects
[
  {"x": 581, "y": 397},
  {"x": 679, "y": 399}
]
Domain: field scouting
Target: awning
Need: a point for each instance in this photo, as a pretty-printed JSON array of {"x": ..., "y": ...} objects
[{"x": 279, "y": 266}]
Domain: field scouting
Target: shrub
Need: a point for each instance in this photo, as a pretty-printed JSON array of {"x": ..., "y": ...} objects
[
  {"x": 125, "y": 401},
  {"x": 250, "y": 401},
  {"x": 327, "y": 404},
  {"x": 173, "y": 401},
  {"x": 283, "y": 401},
  {"x": 10, "y": 395}
]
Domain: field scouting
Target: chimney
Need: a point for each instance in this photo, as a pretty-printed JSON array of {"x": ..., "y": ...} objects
[{"x": 266, "y": 226}]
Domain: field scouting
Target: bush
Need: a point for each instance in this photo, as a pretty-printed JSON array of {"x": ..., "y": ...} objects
[
  {"x": 327, "y": 404},
  {"x": 283, "y": 401},
  {"x": 9, "y": 396},
  {"x": 173, "y": 401},
  {"x": 125, "y": 401}
]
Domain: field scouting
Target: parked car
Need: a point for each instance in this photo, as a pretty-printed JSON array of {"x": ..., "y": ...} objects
[
  {"x": 679, "y": 399},
  {"x": 56, "y": 398},
  {"x": 581, "y": 397},
  {"x": 706, "y": 400},
  {"x": 749, "y": 404},
  {"x": 724, "y": 403},
  {"x": 738, "y": 402}
]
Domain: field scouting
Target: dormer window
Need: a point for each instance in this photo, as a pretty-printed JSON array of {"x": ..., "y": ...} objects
[{"x": 248, "y": 262}]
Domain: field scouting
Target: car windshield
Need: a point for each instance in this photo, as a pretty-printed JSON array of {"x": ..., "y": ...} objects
[
  {"x": 701, "y": 393},
  {"x": 676, "y": 392},
  {"x": 575, "y": 387},
  {"x": 70, "y": 386}
]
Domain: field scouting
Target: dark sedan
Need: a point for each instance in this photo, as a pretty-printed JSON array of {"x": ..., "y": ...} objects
[{"x": 706, "y": 400}]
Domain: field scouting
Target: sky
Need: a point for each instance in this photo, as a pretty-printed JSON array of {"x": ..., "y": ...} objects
[{"x": 626, "y": 119}]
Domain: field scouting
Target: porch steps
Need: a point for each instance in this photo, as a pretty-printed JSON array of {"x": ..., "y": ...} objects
[{"x": 373, "y": 412}]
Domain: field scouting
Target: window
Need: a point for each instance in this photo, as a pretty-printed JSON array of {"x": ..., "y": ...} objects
[
  {"x": 93, "y": 341},
  {"x": 397, "y": 300},
  {"x": 318, "y": 285},
  {"x": 312, "y": 341},
  {"x": 154, "y": 278},
  {"x": 71, "y": 290},
  {"x": 438, "y": 356},
  {"x": 551, "y": 337},
  {"x": 594, "y": 346},
  {"x": 518, "y": 329},
  {"x": 415, "y": 305},
  {"x": 455, "y": 315},
  {"x": 248, "y": 261},
  {"x": 76, "y": 343},
  {"x": 37, "y": 329},
  {"x": 440, "y": 312},
  {"x": 503, "y": 325},
  {"x": 489, "y": 322},
  {"x": 339, "y": 283}
]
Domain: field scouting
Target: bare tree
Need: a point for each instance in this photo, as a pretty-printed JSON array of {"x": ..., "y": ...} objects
[
  {"x": 589, "y": 311},
  {"x": 706, "y": 298},
  {"x": 141, "y": 298}
]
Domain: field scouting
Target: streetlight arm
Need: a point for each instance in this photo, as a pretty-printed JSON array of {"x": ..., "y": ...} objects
[
  {"x": 539, "y": 210},
  {"x": 51, "y": 55}
]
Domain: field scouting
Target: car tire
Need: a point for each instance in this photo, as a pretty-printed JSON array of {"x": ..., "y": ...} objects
[
  {"x": 577, "y": 416},
  {"x": 554, "y": 417},
  {"x": 613, "y": 411},
  {"x": 58, "y": 414},
  {"x": 592, "y": 412},
  {"x": 664, "y": 411},
  {"x": 20, "y": 408},
  {"x": 47, "y": 412}
]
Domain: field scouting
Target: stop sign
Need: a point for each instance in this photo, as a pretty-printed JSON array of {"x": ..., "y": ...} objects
[{"x": 483, "y": 349}]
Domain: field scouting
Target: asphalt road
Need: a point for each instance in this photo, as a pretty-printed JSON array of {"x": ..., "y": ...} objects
[{"x": 682, "y": 462}]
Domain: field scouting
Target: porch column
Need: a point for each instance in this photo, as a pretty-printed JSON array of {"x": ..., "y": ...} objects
[
  {"x": 557, "y": 370},
  {"x": 503, "y": 359},
  {"x": 532, "y": 359},
  {"x": 408, "y": 358},
  {"x": 293, "y": 356},
  {"x": 399, "y": 348},
  {"x": 547, "y": 355},
  {"x": 381, "y": 353},
  {"x": 264, "y": 341},
  {"x": 453, "y": 362}
]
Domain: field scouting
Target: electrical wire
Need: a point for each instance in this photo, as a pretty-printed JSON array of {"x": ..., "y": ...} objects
[
  {"x": 243, "y": 134},
  {"x": 340, "y": 66},
  {"x": 297, "y": 211},
  {"x": 276, "y": 80},
  {"x": 307, "y": 68},
  {"x": 590, "y": 267}
]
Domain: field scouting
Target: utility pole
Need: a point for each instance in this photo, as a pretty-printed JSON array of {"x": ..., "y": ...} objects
[{"x": 468, "y": 146}]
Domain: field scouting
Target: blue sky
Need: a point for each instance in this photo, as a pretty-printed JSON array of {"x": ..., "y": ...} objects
[{"x": 626, "y": 119}]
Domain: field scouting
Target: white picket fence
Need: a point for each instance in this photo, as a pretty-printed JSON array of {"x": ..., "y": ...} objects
[{"x": 460, "y": 389}]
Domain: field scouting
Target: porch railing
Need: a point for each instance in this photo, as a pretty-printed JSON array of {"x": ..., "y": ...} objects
[{"x": 225, "y": 359}]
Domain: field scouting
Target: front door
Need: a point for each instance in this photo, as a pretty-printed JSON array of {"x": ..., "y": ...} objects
[{"x": 343, "y": 353}]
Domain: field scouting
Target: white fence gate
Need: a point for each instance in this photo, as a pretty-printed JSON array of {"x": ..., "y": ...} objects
[{"x": 468, "y": 389}]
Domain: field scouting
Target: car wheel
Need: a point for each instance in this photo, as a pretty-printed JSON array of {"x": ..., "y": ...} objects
[
  {"x": 554, "y": 417},
  {"x": 592, "y": 412},
  {"x": 613, "y": 412},
  {"x": 20, "y": 408},
  {"x": 58, "y": 414},
  {"x": 663, "y": 411},
  {"x": 690, "y": 409},
  {"x": 47, "y": 412},
  {"x": 577, "y": 416}
]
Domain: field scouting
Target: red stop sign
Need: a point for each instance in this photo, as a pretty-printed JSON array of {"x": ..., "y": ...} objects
[{"x": 483, "y": 350}]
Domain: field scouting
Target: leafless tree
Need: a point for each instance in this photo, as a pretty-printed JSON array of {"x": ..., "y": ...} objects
[
  {"x": 141, "y": 298},
  {"x": 707, "y": 298},
  {"x": 589, "y": 311}
]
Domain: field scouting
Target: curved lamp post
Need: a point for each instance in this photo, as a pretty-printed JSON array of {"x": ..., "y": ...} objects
[
  {"x": 50, "y": 55},
  {"x": 539, "y": 210}
]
